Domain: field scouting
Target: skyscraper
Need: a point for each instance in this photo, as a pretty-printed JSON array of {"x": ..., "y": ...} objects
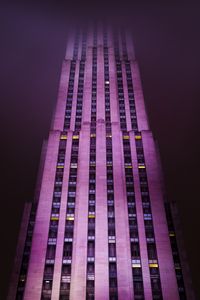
[{"x": 99, "y": 227}]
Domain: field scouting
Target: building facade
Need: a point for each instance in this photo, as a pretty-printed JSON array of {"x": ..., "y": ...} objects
[{"x": 99, "y": 227}]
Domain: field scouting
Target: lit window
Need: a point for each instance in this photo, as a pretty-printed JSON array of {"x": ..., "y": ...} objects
[
  {"x": 153, "y": 265},
  {"x": 138, "y": 137},
  {"x": 63, "y": 137}
]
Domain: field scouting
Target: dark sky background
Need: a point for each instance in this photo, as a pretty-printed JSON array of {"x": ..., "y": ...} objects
[{"x": 167, "y": 43}]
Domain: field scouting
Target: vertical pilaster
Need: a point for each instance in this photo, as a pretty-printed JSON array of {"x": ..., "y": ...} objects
[
  {"x": 79, "y": 256},
  {"x": 101, "y": 222},
  {"x": 124, "y": 268},
  {"x": 70, "y": 45}
]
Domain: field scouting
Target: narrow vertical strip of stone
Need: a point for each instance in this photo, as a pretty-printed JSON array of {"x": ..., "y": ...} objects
[
  {"x": 70, "y": 45},
  {"x": 129, "y": 46},
  {"x": 124, "y": 267},
  {"x": 74, "y": 100},
  {"x": 165, "y": 260},
  {"x": 80, "y": 45},
  {"x": 120, "y": 45},
  {"x": 87, "y": 87},
  {"x": 140, "y": 221},
  {"x": 142, "y": 119},
  {"x": 79, "y": 256},
  {"x": 126, "y": 98},
  {"x": 101, "y": 222},
  {"x": 59, "y": 114},
  {"x": 62, "y": 220},
  {"x": 40, "y": 235}
]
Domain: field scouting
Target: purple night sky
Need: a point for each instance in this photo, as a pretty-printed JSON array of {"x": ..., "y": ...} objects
[{"x": 167, "y": 47}]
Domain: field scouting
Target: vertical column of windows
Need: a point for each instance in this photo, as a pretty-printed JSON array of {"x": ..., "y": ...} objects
[
  {"x": 76, "y": 46},
  {"x": 133, "y": 227},
  {"x": 69, "y": 95},
  {"x": 148, "y": 222},
  {"x": 71, "y": 84},
  {"x": 111, "y": 220},
  {"x": 94, "y": 88},
  {"x": 53, "y": 226},
  {"x": 91, "y": 219},
  {"x": 124, "y": 49},
  {"x": 79, "y": 104},
  {"x": 26, "y": 254},
  {"x": 129, "y": 84},
  {"x": 110, "y": 184},
  {"x": 131, "y": 96},
  {"x": 120, "y": 85},
  {"x": 69, "y": 224},
  {"x": 92, "y": 182},
  {"x": 175, "y": 253}
]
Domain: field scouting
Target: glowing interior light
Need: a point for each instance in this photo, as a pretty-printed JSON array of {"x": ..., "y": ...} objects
[
  {"x": 141, "y": 167},
  {"x": 126, "y": 137},
  {"x": 136, "y": 265},
  {"x": 70, "y": 218},
  {"x": 75, "y": 137},
  {"x": 172, "y": 234},
  {"x": 54, "y": 218},
  {"x": 107, "y": 82},
  {"x": 153, "y": 265},
  {"x": 93, "y": 135},
  {"x": 63, "y": 137},
  {"x": 138, "y": 137}
]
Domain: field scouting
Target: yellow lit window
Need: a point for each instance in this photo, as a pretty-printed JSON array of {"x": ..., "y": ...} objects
[
  {"x": 60, "y": 167},
  {"x": 172, "y": 234},
  {"x": 54, "y": 218},
  {"x": 63, "y": 137},
  {"x": 75, "y": 137},
  {"x": 91, "y": 216},
  {"x": 128, "y": 167},
  {"x": 126, "y": 137},
  {"x": 153, "y": 265},
  {"x": 70, "y": 218},
  {"x": 141, "y": 167},
  {"x": 138, "y": 137}
]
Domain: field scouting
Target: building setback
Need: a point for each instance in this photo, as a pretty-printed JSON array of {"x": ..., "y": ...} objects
[{"x": 99, "y": 227}]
